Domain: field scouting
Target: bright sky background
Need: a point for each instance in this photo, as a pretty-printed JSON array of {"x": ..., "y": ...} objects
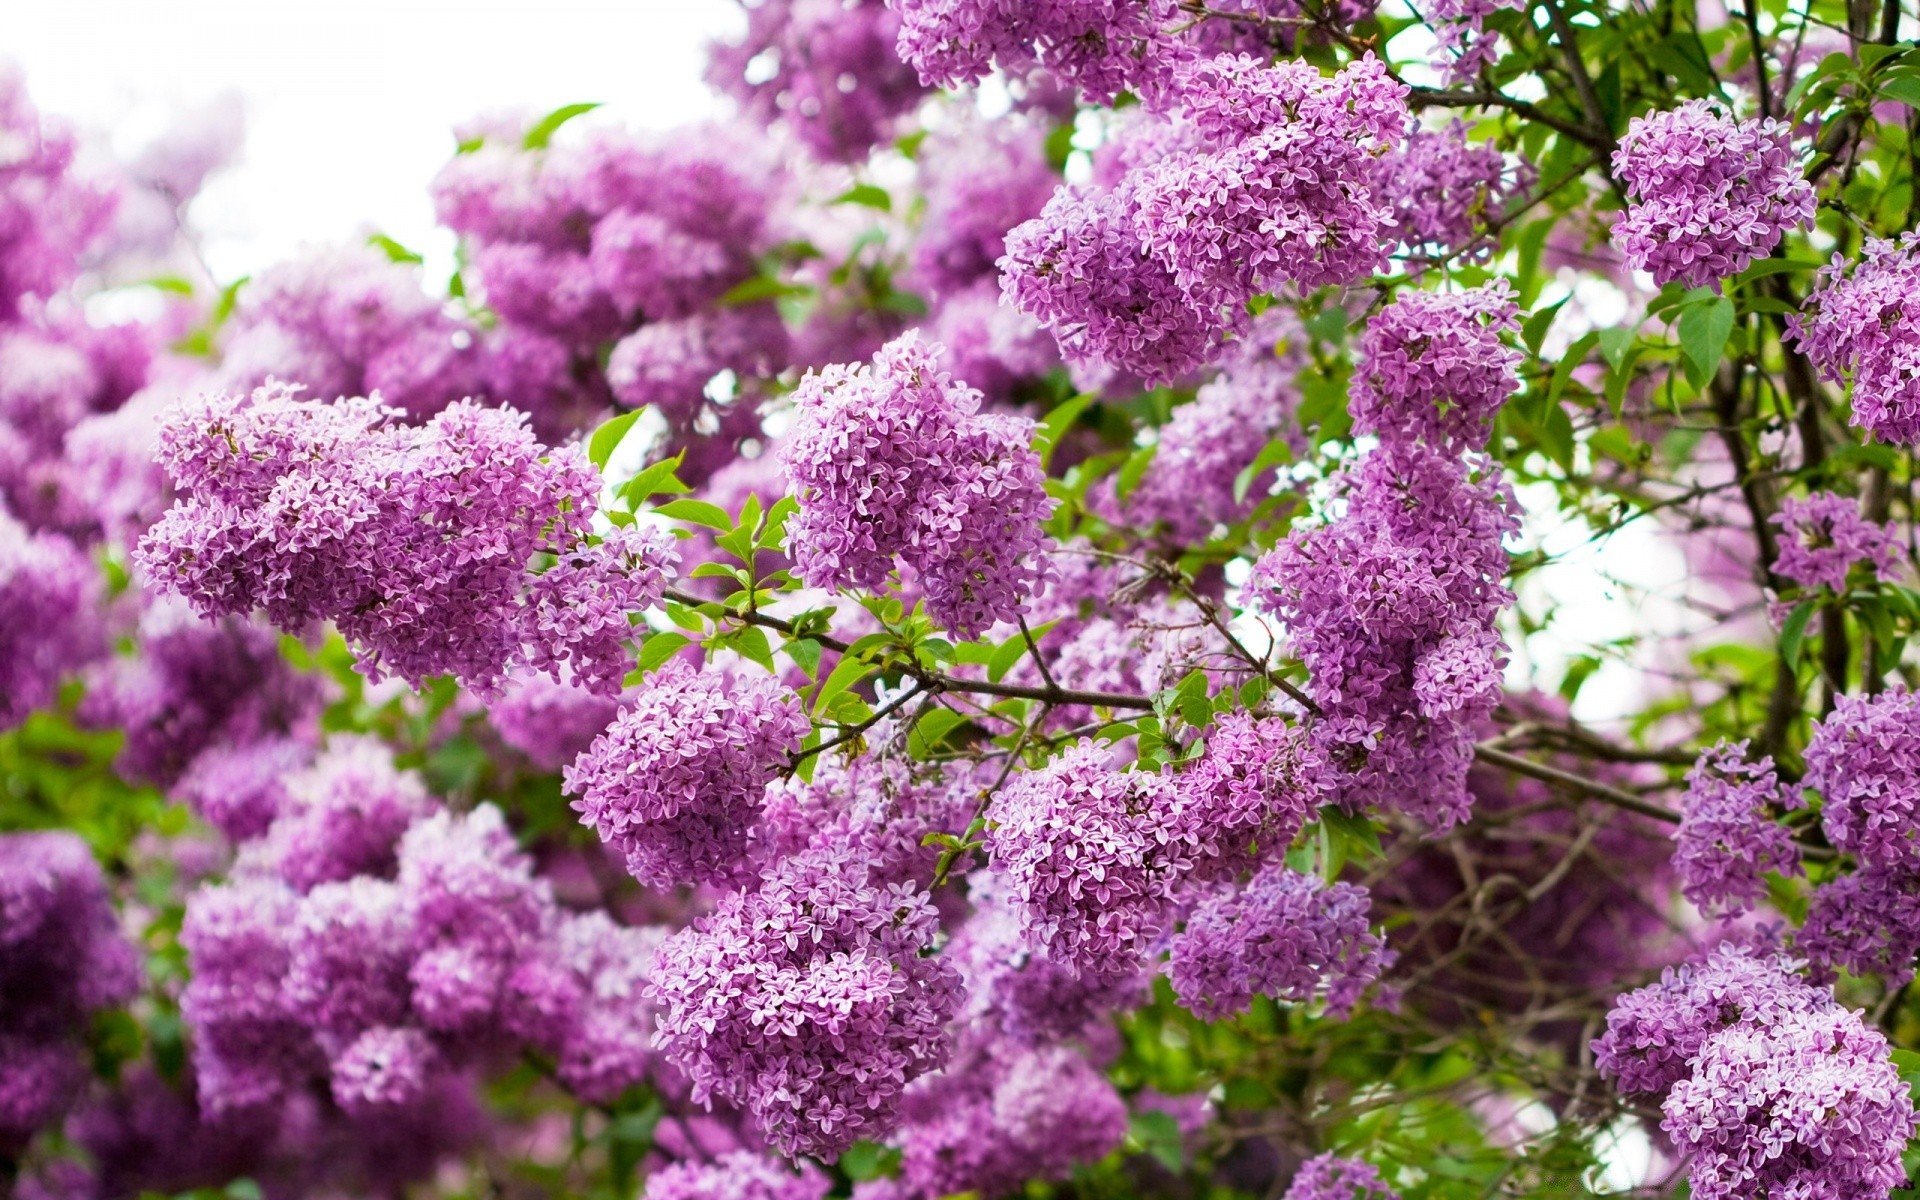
[{"x": 350, "y": 104}]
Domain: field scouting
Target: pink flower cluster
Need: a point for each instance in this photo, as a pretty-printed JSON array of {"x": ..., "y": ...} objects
[
  {"x": 1707, "y": 194},
  {"x": 1862, "y": 326},
  {"x": 1824, "y": 536},
  {"x": 1729, "y": 837},
  {"x": 1432, "y": 367}
]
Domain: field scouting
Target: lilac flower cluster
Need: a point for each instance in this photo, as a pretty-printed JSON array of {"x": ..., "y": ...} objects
[
  {"x": 1867, "y": 922},
  {"x": 49, "y": 212},
  {"x": 1445, "y": 190},
  {"x": 1728, "y": 838},
  {"x": 56, "y": 373},
  {"x": 893, "y": 459},
  {"x": 1189, "y": 488},
  {"x": 548, "y": 721},
  {"x": 677, "y": 780},
  {"x": 1864, "y": 758},
  {"x": 1463, "y": 47},
  {"x": 1772, "y": 1087},
  {"x": 62, "y": 959},
  {"x": 1271, "y": 180},
  {"x": 980, "y": 181},
  {"x": 1432, "y": 367},
  {"x": 1285, "y": 935},
  {"x": 415, "y": 540},
  {"x": 1862, "y": 326},
  {"x": 1254, "y": 788},
  {"x": 1098, "y": 47},
  {"x": 1824, "y": 536},
  {"x": 1092, "y": 857},
  {"x": 997, "y": 1117},
  {"x": 826, "y": 69},
  {"x": 1391, "y": 607},
  {"x": 739, "y": 1175},
  {"x": 49, "y": 616},
  {"x": 1706, "y": 194},
  {"x": 1331, "y": 1177},
  {"x": 810, "y": 1002},
  {"x": 349, "y": 321}
]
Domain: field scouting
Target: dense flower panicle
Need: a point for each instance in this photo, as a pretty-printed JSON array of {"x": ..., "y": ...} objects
[
  {"x": 1098, "y": 47},
  {"x": 1272, "y": 181},
  {"x": 669, "y": 365},
  {"x": 196, "y": 687},
  {"x": 1728, "y": 838},
  {"x": 739, "y": 1175},
  {"x": 810, "y": 1002},
  {"x": 1082, "y": 269},
  {"x": 1255, "y": 787},
  {"x": 248, "y": 1044},
  {"x": 382, "y": 1070},
  {"x": 348, "y": 956},
  {"x": 979, "y": 182},
  {"x": 56, "y": 372},
  {"x": 1824, "y": 536},
  {"x": 1654, "y": 1034},
  {"x": 1391, "y": 607},
  {"x": 240, "y": 789},
  {"x": 343, "y": 816},
  {"x": 1446, "y": 191},
  {"x": 49, "y": 619},
  {"x": 1285, "y": 935},
  {"x": 49, "y": 212},
  {"x": 1432, "y": 367},
  {"x": 826, "y": 69},
  {"x": 1092, "y": 856},
  {"x": 578, "y": 996},
  {"x": 1810, "y": 1106},
  {"x": 1202, "y": 449},
  {"x": 577, "y": 609},
  {"x": 892, "y": 459},
  {"x": 1463, "y": 47},
  {"x": 415, "y": 541},
  {"x": 62, "y": 958},
  {"x": 1864, "y": 758},
  {"x": 992, "y": 345},
  {"x": 1862, "y": 327},
  {"x": 1331, "y": 1177},
  {"x": 549, "y": 721},
  {"x": 349, "y": 321},
  {"x": 1866, "y": 922},
  {"x": 1024, "y": 998},
  {"x": 1707, "y": 194},
  {"x": 997, "y": 1117},
  {"x": 677, "y": 780}
]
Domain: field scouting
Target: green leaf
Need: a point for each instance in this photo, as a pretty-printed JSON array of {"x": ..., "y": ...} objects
[
  {"x": 606, "y": 439},
  {"x": 931, "y": 730},
  {"x": 1904, "y": 88},
  {"x": 805, "y": 652},
  {"x": 1793, "y": 633},
  {"x": 394, "y": 250},
  {"x": 1703, "y": 330},
  {"x": 750, "y": 642},
  {"x": 660, "y": 646},
  {"x": 866, "y": 194},
  {"x": 1009, "y": 652},
  {"x": 849, "y": 671},
  {"x": 656, "y": 478},
  {"x": 1273, "y": 454},
  {"x": 699, "y": 512},
  {"x": 1057, "y": 422},
  {"x": 1534, "y": 330},
  {"x": 542, "y": 133},
  {"x": 1614, "y": 344},
  {"x": 761, "y": 287}
]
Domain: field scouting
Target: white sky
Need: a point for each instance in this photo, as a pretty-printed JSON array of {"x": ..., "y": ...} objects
[{"x": 350, "y": 104}]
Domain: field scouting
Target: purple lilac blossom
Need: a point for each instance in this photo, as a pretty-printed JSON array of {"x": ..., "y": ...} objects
[
  {"x": 1707, "y": 194},
  {"x": 1809, "y": 1106},
  {"x": 677, "y": 780},
  {"x": 49, "y": 620},
  {"x": 826, "y": 69},
  {"x": 1463, "y": 47},
  {"x": 810, "y": 1002},
  {"x": 998, "y": 1116},
  {"x": 1391, "y": 607},
  {"x": 893, "y": 459},
  {"x": 1331, "y": 1177},
  {"x": 549, "y": 721},
  {"x": 62, "y": 959},
  {"x": 1446, "y": 191},
  {"x": 739, "y": 1175},
  {"x": 415, "y": 540},
  {"x": 1092, "y": 857},
  {"x": 343, "y": 816},
  {"x": 1859, "y": 327},
  {"x": 49, "y": 212},
  {"x": 1098, "y": 47},
  {"x": 1432, "y": 367},
  {"x": 1285, "y": 935},
  {"x": 1822, "y": 538},
  {"x": 980, "y": 181},
  {"x": 1728, "y": 837},
  {"x": 1864, "y": 758},
  {"x": 1866, "y": 922},
  {"x": 1254, "y": 788}
]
